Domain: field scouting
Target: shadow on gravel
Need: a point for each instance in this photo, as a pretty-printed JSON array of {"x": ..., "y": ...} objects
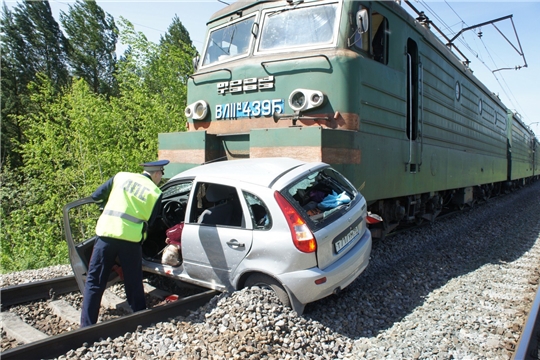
[{"x": 406, "y": 268}]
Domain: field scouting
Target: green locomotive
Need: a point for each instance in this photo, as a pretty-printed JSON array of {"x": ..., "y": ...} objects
[{"x": 361, "y": 85}]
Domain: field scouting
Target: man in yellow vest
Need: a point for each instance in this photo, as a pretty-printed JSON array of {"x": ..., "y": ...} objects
[{"x": 131, "y": 202}]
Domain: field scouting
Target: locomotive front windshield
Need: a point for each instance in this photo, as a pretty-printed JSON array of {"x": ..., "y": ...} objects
[
  {"x": 299, "y": 27},
  {"x": 230, "y": 41},
  {"x": 281, "y": 29}
]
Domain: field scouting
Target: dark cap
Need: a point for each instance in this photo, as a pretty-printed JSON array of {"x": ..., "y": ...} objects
[{"x": 154, "y": 165}]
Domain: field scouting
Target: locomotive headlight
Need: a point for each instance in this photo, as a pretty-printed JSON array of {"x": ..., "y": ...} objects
[
  {"x": 198, "y": 110},
  {"x": 304, "y": 99},
  {"x": 316, "y": 99},
  {"x": 297, "y": 100}
]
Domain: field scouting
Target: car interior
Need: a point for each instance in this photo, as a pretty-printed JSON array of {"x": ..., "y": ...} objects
[
  {"x": 322, "y": 194},
  {"x": 225, "y": 208},
  {"x": 215, "y": 205}
]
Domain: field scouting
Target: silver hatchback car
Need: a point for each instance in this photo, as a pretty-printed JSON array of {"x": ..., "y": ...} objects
[{"x": 295, "y": 227}]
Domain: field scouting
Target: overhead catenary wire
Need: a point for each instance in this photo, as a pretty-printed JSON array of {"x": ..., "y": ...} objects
[{"x": 477, "y": 55}]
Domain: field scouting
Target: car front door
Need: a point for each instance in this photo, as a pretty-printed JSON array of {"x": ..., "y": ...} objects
[{"x": 80, "y": 219}]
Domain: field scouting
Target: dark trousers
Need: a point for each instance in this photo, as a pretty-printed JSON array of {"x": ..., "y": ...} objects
[{"x": 103, "y": 258}]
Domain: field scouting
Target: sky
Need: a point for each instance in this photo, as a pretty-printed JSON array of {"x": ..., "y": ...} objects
[{"x": 518, "y": 89}]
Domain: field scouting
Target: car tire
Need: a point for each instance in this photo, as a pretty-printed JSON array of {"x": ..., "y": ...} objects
[{"x": 268, "y": 282}]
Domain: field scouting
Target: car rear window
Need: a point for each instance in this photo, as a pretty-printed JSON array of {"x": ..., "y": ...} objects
[
  {"x": 322, "y": 194},
  {"x": 260, "y": 216}
]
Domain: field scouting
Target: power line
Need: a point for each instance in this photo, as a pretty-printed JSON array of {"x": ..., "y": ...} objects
[{"x": 476, "y": 54}]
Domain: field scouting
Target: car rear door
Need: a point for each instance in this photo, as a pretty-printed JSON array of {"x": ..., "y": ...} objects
[{"x": 212, "y": 252}]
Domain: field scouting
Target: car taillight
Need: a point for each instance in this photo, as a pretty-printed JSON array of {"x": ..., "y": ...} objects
[{"x": 302, "y": 237}]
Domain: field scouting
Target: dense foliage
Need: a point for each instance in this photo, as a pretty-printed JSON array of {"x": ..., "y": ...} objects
[
  {"x": 92, "y": 42},
  {"x": 75, "y": 116}
]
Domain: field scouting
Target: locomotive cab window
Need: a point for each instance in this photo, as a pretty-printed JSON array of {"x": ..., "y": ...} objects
[
  {"x": 229, "y": 42},
  {"x": 301, "y": 26},
  {"x": 374, "y": 38},
  {"x": 379, "y": 40}
]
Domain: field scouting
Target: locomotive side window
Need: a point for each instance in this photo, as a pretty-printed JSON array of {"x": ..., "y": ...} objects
[
  {"x": 378, "y": 34},
  {"x": 379, "y": 40}
]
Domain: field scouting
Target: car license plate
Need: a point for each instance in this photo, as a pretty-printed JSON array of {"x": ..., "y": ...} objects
[{"x": 341, "y": 243}]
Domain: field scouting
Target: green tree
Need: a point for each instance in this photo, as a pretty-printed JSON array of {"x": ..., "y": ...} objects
[
  {"x": 92, "y": 38},
  {"x": 13, "y": 87},
  {"x": 45, "y": 44},
  {"x": 156, "y": 76},
  {"x": 77, "y": 139},
  {"x": 176, "y": 52},
  {"x": 67, "y": 154},
  {"x": 176, "y": 35},
  {"x": 31, "y": 43},
  {"x": 30, "y": 201}
]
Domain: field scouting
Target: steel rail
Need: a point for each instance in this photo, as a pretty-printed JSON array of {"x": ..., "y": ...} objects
[
  {"x": 44, "y": 289},
  {"x": 529, "y": 341},
  {"x": 58, "y": 345}
]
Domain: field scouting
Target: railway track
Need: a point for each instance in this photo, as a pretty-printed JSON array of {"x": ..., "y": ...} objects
[
  {"x": 529, "y": 344},
  {"x": 35, "y": 344},
  {"x": 19, "y": 294}
]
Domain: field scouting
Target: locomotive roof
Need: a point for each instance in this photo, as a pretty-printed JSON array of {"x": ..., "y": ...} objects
[{"x": 235, "y": 7}]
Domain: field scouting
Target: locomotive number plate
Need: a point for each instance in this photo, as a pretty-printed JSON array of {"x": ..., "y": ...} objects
[{"x": 247, "y": 109}]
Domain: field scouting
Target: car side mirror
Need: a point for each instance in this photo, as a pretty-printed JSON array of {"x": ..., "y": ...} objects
[{"x": 362, "y": 21}]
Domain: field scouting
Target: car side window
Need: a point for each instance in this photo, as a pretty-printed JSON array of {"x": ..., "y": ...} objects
[
  {"x": 260, "y": 216},
  {"x": 179, "y": 189},
  {"x": 216, "y": 204},
  {"x": 174, "y": 203}
]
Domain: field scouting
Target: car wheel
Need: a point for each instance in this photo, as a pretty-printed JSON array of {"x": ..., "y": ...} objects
[{"x": 268, "y": 282}]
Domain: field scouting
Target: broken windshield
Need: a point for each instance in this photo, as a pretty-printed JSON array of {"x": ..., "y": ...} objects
[
  {"x": 229, "y": 41},
  {"x": 295, "y": 27}
]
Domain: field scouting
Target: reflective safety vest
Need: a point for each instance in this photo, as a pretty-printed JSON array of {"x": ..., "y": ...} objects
[{"x": 129, "y": 207}]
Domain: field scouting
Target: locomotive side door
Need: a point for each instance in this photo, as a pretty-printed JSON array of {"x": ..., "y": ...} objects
[{"x": 414, "y": 108}]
